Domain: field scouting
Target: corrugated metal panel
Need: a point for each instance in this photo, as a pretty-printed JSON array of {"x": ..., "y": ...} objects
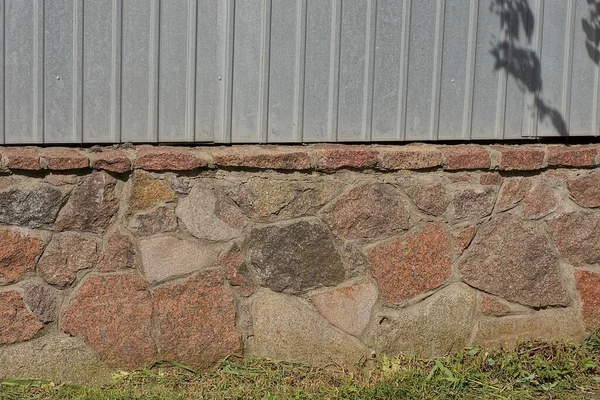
[{"x": 291, "y": 71}]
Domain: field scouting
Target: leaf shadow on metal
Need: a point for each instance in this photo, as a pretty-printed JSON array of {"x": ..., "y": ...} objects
[
  {"x": 521, "y": 62},
  {"x": 591, "y": 27}
]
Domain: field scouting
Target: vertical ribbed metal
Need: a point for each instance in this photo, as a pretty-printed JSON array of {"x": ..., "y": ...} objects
[
  {"x": 438, "y": 51},
  {"x": 404, "y": 58}
]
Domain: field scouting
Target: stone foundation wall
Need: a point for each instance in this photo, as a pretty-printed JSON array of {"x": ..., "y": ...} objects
[{"x": 113, "y": 258}]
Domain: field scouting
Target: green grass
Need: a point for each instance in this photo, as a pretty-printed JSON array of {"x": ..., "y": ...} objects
[{"x": 532, "y": 371}]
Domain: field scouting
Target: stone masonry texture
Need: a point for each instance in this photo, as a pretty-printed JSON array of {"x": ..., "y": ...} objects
[{"x": 114, "y": 258}]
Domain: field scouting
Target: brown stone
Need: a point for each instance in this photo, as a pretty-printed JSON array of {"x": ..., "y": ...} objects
[
  {"x": 17, "y": 323},
  {"x": 368, "y": 211},
  {"x": 333, "y": 157},
  {"x": 576, "y": 236},
  {"x": 462, "y": 238},
  {"x": 22, "y": 158},
  {"x": 473, "y": 202},
  {"x": 168, "y": 159},
  {"x": 521, "y": 158},
  {"x": 540, "y": 202},
  {"x": 112, "y": 161},
  {"x": 19, "y": 251},
  {"x": 91, "y": 206},
  {"x": 118, "y": 254},
  {"x": 197, "y": 321},
  {"x": 237, "y": 270},
  {"x": 588, "y": 286},
  {"x": 492, "y": 307},
  {"x": 462, "y": 178},
  {"x": 586, "y": 189},
  {"x": 572, "y": 156},
  {"x": 63, "y": 159},
  {"x": 348, "y": 308},
  {"x": 412, "y": 265},
  {"x": 161, "y": 219},
  {"x": 42, "y": 300},
  {"x": 66, "y": 254},
  {"x": 515, "y": 261},
  {"x": 147, "y": 193},
  {"x": 491, "y": 178},
  {"x": 410, "y": 157},
  {"x": 62, "y": 179},
  {"x": 513, "y": 191},
  {"x": 113, "y": 314},
  {"x": 262, "y": 157},
  {"x": 466, "y": 157},
  {"x": 430, "y": 198}
]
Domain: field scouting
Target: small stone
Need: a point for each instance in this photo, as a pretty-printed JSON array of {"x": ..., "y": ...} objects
[
  {"x": 466, "y": 157},
  {"x": 147, "y": 193},
  {"x": 66, "y": 254},
  {"x": 588, "y": 286},
  {"x": 546, "y": 326},
  {"x": 91, "y": 206},
  {"x": 62, "y": 179},
  {"x": 32, "y": 208},
  {"x": 295, "y": 258},
  {"x": 462, "y": 178},
  {"x": 209, "y": 214},
  {"x": 62, "y": 159},
  {"x": 586, "y": 189},
  {"x": 492, "y": 307},
  {"x": 237, "y": 270},
  {"x": 513, "y": 191},
  {"x": 572, "y": 156},
  {"x": 19, "y": 251},
  {"x": 491, "y": 178},
  {"x": 17, "y": 323},
  {"x": 515, "y": 261},
  {"x": 113, "y": 314},
  {"x": 462, "y": 238},
  {"x": 111, "y": 160},
  {"x": 165, "y": 257},
  {"x": 203, "y": 304},
  {"x": 22, "y": 158},
  {"x": 178, "y": 184},
  {"x": 348, "y": 308},
  {"x": 576, "y": 236},
  {"x": 437, "y": 326},
  {"x": 286, "y": 329},
  {"x": 333, "y": 157},
  {"x": 540, "y": 202},
  {"x": 412, "y": 265},
  {"x": 119, "y": 253},
  {"x": 168, "y": 159},
  {"x": 473, "y": 202},
  {"x": 262, "y": 157},
  {"x": 368, "y": 211},
  {"x": 159, "y": 220},
  {"x": 521, "y": 158},
  {"x": 42, "y": 300},
  {"x": 410, "y": 157},
  {"x": 430, "y": 198}
]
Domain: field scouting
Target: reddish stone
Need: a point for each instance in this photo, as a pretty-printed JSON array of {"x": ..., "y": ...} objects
[
  {"x": 168, "y": 159},
  {"x": 462, "y": 178},
  {"x": 197, "y": 321},
  {"x": 572, "y": 156},
  {"x": 17, "y": 323},
  {"x": 586, "y": 189},
  {"x": 576, "y": 236},
  {"x": 6, "y": 182},
  {"x": 513, "y": 191},
  {"x": 111, "y": 160},
  {"x": 22, "y": 158},
  {"x": 367, "y": 211},
  {"x": 492, "y": 307},
  {"x": 262, "y": 157},
  {"x": 67, "y": 253},
  {"x": 410, "y": 157},
  {"x": 521, "y": 158},
  {"x": 161, "y": 219},
  {"x": 491, "y": 178},
  {"x": 462, "y": 238},
  {"x": 62, "y": 180},
  {"x": 63, "y": 159},
  {"x": 540, "y": 202},
  {"x": 412, "y": 265},
  {"x": 18, "y": 253},
  {"x": 237, "y": 271},
  {"x": 147, "y": 193},
  {"x": 588, "y": 285},
  {"x": 466, "y": 157},
  {"x": 113, "y": 314},
  {"x": 430, "y": 198},
  {"x": 335, "y": 157},
  {"x": 119, "y": 253}
]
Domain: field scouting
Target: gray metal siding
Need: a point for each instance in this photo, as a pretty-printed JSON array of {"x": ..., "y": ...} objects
[{"x": 291, "y": 71}]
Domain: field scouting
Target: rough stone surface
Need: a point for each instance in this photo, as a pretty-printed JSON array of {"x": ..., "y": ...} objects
[
  {"x": 113, "y": 314},
  {"x": 65, "y": 255},
  {"x": 333, "y": 157},
  {"x": 32, "y": 208},
  {"x": 91, "y": 206},
  {"x": 586, "y": 189},
  {"x": 368, "y": 211},
  {"x": 491, "y": 178},
  {"x": 462, "y": 238},
  {"x": 492, "y": 307},
  {"x": 572, "y": 156},
  {"x": 515, "y": 261},
  {"x": 348, "y": 308},
  {"x": 62, "y": 159},
  {"x": 62, "y": 179},
  {"x": 42, "y": 300},
  {"x": 546, "y": 326},
  {"x": 295, "y": 258},
  {"x": 576, "y": 236},
  {"x": 285, "y": 328},
  {"x": 513, "y": 191},
  {"x": 119, "y": 253},
  {"x": 473, "y": 202},
  {"x": 262, "y": 157},
  {"x": 19, "y": 251},
  {"x": 588, "y": 286},
  {"x": 147, "y": 193},
  {"x": 540, "y": 202},
  {"x": 166, "y": 257},
  {"x": 410, "y": 157},
  {"x": 17, "y": 323},
  {"x": 431, "y": 198},
  {"x": 111, "y": 160},
  {"x": 22, "y": 158},
  {"x": 57, "y": 358},
  {"x": 209, "y": 214},
  {"x": 197, "y": 321},
  {"x": 161, "y": 219},
  {"x": 466, "y": 157},
  {"x": 435, "y": 327},
  {"x": 237, "y": 270},
  {"x": 412, "y": 265},
  {"x": 521, "y": 158},
  {"x": 168, "y": 159}
]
